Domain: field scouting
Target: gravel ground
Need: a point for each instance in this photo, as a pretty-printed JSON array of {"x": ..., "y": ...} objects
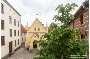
[{"x": 22, "y": 54}]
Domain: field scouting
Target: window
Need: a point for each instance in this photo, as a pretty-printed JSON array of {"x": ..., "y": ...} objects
[
  {"x": 24, "y": 33},
  {"x": 2, "y": 8},
  {"x": 2, "y": 24},
  {"x": 34, "y": 29},
  {"x": 10, "y": 32},
  {"x": 15, "y": 42},
  {"x": 82, "y": 36},
  {"x": 38, "y": 29},
  {"x": 22, "y": 39},
  {"x": 2, "y": 40},
  {"x": 18, "y": 23},
  {"x": 10, "y": 20},
  {"x": 81, "y": 19},
  {"x": 15, "y": 22},
  {"x": 18, "y": 41},
  {"x": 14, "y": 32},
  {"x": 18, "y": 32}
]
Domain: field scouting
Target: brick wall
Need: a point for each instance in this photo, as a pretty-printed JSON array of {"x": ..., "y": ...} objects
[{"x": 84, "y": 30}]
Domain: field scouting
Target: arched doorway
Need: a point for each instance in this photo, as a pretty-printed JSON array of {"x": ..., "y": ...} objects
[{"x": 34, "y": 44}]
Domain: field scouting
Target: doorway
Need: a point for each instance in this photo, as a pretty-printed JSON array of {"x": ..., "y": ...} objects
[
  {"x": 34, "y": 44},
  {"x": 10, "y": 47}
]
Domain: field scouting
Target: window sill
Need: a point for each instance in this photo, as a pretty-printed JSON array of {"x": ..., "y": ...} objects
[{"x": 2, "y": 29}]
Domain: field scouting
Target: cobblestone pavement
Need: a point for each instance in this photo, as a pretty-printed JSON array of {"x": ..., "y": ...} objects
[{"x": 22, "y": 54}]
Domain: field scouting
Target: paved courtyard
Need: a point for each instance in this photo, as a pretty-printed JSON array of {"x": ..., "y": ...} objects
[{"x": 22, "y": 54}]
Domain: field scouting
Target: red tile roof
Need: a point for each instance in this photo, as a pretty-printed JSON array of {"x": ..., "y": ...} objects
[{"x": 23, "y": 29}]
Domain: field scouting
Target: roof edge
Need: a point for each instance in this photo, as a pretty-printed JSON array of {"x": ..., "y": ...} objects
[{"x": 11, "y": 6}]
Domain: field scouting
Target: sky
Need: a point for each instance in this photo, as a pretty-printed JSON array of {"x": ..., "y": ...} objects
[{"x": 44, "y": 8}]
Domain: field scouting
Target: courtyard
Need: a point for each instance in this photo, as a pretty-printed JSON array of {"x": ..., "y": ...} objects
[{"x": 22, "y": 54}]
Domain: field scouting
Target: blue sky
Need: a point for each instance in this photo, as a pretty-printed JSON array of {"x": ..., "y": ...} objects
[{"x": 44, "y": 8}]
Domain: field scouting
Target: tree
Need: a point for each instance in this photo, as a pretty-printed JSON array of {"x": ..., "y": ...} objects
[{"x": 60, "y": 42}]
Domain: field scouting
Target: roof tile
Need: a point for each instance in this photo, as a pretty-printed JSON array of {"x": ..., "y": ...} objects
[{"x": 23, "y": 29}]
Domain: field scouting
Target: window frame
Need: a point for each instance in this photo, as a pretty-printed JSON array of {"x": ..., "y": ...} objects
[
  {"x": 14, "y": 32},
  {"x": 15, "y": 43},
  {"x": 18, "y": 32},
  {"x": 2, "y": 8},
  {"x": 2, "y": 24},
  {"x": 18, "y": 41},
  {"x": 14, "y": 22},
  {"x": 10, "y": 20},
  {"x": 10, "y": 32},
  {"x": 2, "y": 40},
  {"x": 18, "y": 23},
  {"x": 38, "y": 29},
  {"x": 34, "y": 29}
]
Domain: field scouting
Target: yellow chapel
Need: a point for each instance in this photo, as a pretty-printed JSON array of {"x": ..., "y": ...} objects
[{"x": 34, "y": 32}]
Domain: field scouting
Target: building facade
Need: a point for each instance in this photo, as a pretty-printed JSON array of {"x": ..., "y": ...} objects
[
  {"x": 81, "y": 20},
  {"x": 10, "y": 29},
  {"x": 23, "y": 34},
  {"x": 35, "y": 31},
  {"x": 26, "y": 27}
]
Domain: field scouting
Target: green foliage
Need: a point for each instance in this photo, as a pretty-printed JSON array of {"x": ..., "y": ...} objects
[
  {"x": 64, "y": 14},
  {"x": 60, "y": 42},
  {"x": 80, "y": 47}
]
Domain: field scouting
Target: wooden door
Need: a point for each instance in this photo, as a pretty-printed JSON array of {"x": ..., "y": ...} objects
[
  {"x": 34, "y": 45},
  {"x": 10, "y": 47}
]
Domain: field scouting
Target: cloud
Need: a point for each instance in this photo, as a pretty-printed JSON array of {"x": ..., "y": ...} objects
[{"x": 45, "y": 9}]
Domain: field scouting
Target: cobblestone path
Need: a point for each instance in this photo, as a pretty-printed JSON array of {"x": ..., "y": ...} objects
[{"x": 22, "y": 54}]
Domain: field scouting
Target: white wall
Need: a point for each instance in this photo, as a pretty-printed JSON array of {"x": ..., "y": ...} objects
[
  {"x": 24, "y": 37},
  {"x": 7, "y": 27}
]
